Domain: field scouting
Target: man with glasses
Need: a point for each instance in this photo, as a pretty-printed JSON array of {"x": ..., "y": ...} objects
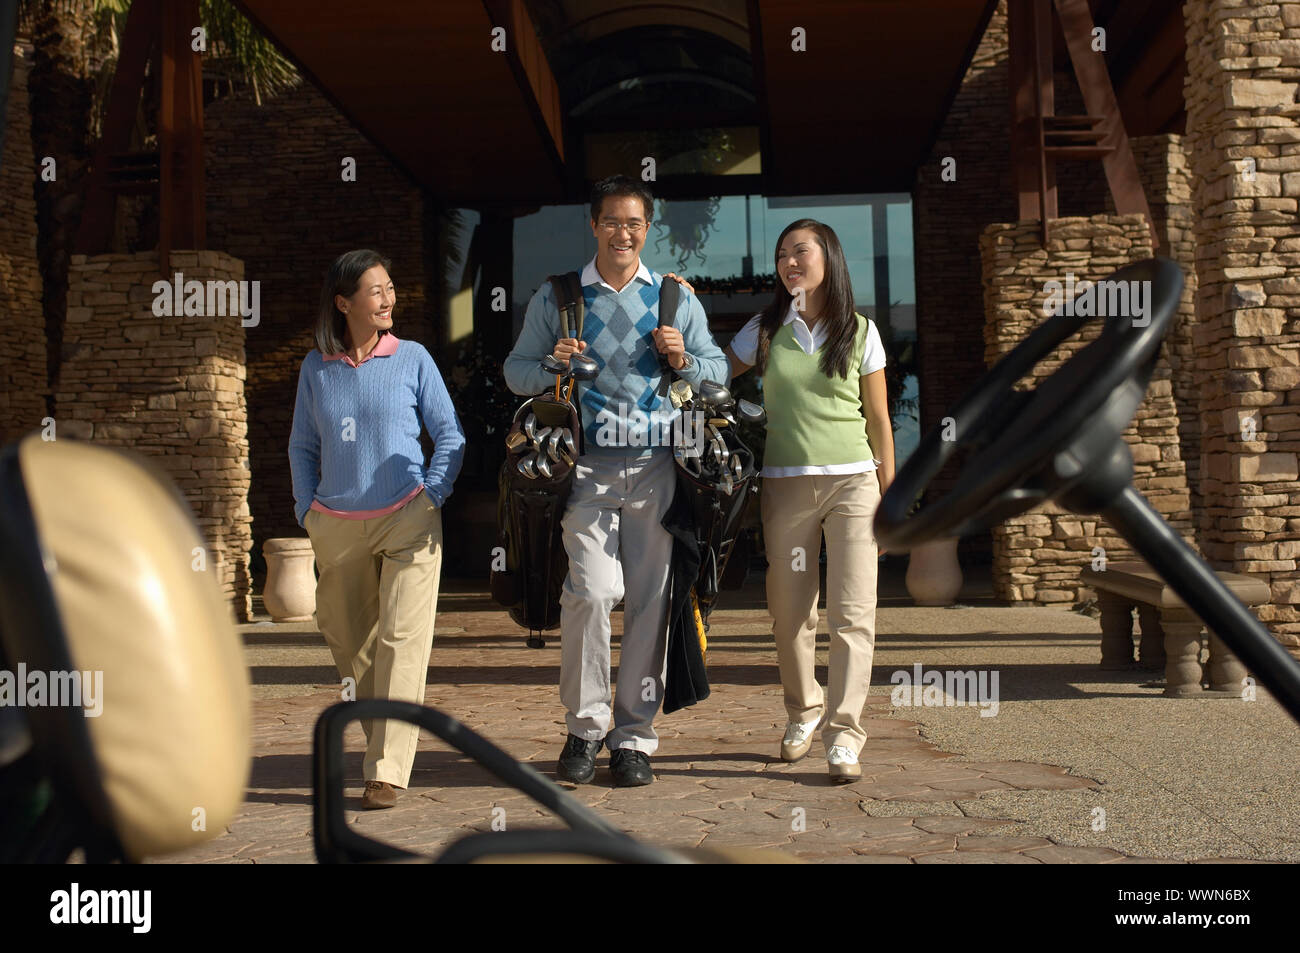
[{"x": 623, "y": 483}]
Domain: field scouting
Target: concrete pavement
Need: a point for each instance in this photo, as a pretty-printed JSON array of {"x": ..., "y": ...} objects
[{"x": 1077, "y": 766}]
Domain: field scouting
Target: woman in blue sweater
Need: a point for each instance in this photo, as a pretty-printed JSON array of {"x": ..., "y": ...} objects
[{"x": 368, "y": 502}]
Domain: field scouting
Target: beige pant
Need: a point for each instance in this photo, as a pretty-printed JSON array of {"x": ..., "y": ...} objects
[
  {"x": 796, "y": 512},
  {"x": 375, "y": 605}
]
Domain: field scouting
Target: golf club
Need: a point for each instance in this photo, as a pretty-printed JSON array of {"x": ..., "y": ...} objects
[
  {"x": 748, "y": 412},
  {"x": 553, "y": 443}
]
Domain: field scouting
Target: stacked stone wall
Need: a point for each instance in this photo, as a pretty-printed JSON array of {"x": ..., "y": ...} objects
[
  {"x": 1243, "y": 143},
  {"x": 24, "y": 373},
  {"x": 170, "y": 387},
  {"x": 1037, "y": 557},
  {"x": 1167, "y": 181}
]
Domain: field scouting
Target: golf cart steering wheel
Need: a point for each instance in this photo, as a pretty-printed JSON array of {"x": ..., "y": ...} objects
[
  {"x": 1026, "y": 447},
  {"x": 1063, "y": 441}
]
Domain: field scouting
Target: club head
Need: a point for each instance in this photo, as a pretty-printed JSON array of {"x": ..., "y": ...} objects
[
  {"x": 552, "y": 365},
  {"x": 687, "y": 457},
  {"x": 543, "y": 466},
  {"x": 713, "y": 396},
  {"x": 530, "y": 426},
  {"x": 539, "y": 439},
  {"x": 568, "y": 446},
  {"x": 725, "y": 484},
  {"x": 515, "y": 439},
  {"x": 583, "y": 368},
  {"x": 748, "y": 412},
  {"x": 553, "y": 444},
  {"x": 719, "y": 454},
  {"x": 527, "y": 466},
  {"x": 737, "y": 467}
]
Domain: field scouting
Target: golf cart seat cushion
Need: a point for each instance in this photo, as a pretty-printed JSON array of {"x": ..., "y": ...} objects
[{"x": 173, "y": 735}]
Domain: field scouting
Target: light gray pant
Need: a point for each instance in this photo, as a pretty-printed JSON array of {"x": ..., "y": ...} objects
[{"x": 612, "y": 524}]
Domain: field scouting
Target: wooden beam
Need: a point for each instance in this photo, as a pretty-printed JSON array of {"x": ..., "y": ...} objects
[
  {"x": 1032, "y": 97},
  {"x": 180, "y": 133},
  {"x": 139, "y": 37},
  {"x": 1099, "y": 99},
  {"x": 1164, "y": 63},
  {"x": 532, "y": 72}
]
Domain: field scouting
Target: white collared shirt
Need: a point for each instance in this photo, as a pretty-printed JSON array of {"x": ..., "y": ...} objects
[
  {"x": 591, "y": 276},
  {"x": 745, "y": 346}
]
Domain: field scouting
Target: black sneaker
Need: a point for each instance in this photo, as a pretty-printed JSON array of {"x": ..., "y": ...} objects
[
  {"x": 630, "y": 768},
  {"x": 578, "y": 760}
]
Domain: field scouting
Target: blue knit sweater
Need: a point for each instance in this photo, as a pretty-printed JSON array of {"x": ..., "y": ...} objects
[
  {"x": 617, "y": 328},
  {"x": 355, "y": 442}
]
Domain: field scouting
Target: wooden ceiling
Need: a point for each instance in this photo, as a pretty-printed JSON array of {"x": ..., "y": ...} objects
[{"x": 857, "y": 111}]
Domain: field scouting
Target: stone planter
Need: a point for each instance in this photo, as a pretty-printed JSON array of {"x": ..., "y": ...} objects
[
  {"x": 933, "y": 573},
  {"x": 290, "y": 593}
]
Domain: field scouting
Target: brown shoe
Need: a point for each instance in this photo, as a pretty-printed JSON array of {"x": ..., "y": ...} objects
[{"x": 378, "y": 795}]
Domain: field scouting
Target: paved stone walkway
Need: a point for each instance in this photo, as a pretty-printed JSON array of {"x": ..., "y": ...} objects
[{"x": 718, "y": 780}]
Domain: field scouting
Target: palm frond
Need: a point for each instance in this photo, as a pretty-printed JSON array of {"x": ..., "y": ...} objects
[{"x": 235, "y": 45}]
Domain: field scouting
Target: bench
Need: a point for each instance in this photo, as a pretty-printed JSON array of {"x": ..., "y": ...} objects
[{"x": 1171, "y": 633}]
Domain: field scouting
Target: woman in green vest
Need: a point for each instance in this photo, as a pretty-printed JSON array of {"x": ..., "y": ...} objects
[{"x": 829, "y": 457}]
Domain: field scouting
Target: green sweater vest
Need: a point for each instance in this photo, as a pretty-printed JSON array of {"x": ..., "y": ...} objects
[{"x": 813, "y": 420}]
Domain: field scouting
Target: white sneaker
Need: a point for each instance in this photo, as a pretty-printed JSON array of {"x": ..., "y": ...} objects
[
  {"x": 842, "y": 764},
  {"x": 798, "y": 739}
]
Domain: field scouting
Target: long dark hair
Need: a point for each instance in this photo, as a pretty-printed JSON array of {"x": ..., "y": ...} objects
[
  {"x": 841, "y": 322},
  {"x": 344, "y": 276}
]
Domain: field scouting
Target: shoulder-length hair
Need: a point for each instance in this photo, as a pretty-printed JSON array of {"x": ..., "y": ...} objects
[
  {"x": 841, "y": 322},
  {"x": 343, "y": 278}
]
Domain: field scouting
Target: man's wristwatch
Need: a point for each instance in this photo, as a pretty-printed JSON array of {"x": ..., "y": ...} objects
[{"x": 687, "y": 363}]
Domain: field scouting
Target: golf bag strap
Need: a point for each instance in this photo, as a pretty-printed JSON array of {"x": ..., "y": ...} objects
[
  {"x": 669, "y": 294},
  {"x": 567, "y": 289}
]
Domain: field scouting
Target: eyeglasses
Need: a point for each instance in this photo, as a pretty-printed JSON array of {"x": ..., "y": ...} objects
[{"x": 633, "y": 228}]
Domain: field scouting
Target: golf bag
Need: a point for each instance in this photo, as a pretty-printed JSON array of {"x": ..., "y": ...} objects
[
  {"x": 717, "y": 517},
  {"x": 530, "y": 510},
  {"x": 715, "y": 485}
]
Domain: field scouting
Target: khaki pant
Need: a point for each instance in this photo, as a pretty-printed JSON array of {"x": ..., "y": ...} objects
[
  {"x": 375, "y": 604},
  {"x": 618, "y": 549},
  {"x": 796, "y": 512}
]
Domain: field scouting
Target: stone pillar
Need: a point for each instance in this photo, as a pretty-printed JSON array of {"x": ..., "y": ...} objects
[
  {"x": 170, "y": 386},
  {"x": 1037, "y": 556},
  {"x": 24, "y": 375},
  {"x": 1243, "y": 141},
  {"x": 1167, "y": 181}
]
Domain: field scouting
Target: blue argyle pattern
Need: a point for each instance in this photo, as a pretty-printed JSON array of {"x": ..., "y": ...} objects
[{"x": 617, "y": 329}]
